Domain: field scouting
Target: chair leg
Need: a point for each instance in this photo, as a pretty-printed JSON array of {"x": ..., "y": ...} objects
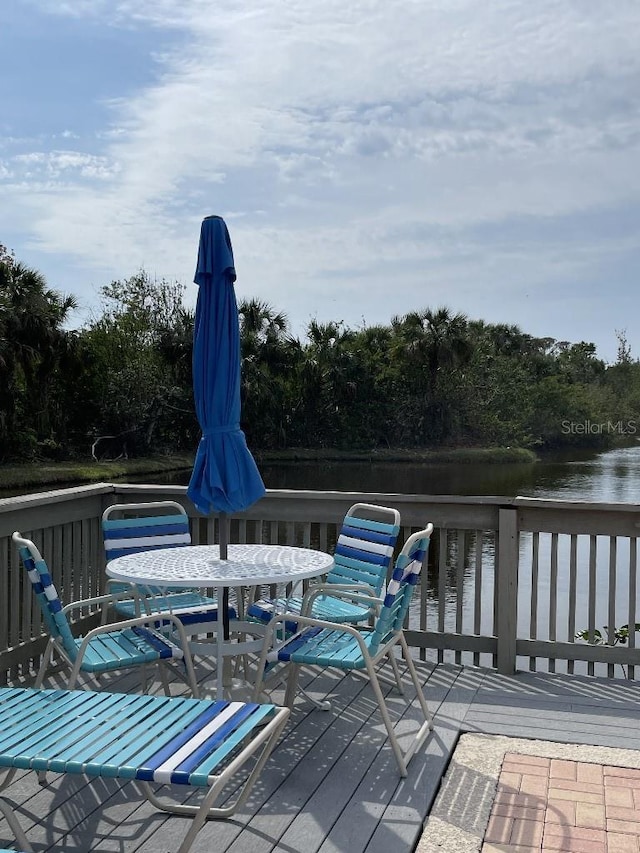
[
  {"x": 241, "y": 664},
  {"x": 416, "y": 683},
  {"x": 292, "y": 685},
  {"x": 163, "y": 679},
  {"x": 383, "y": 678},
  {"x": 426, "y": 727},
  {"x": 321, "y": 704},
  {"x": 402, "y": 758},
  {"x": 396, "y": 673},
  {"x": 190, "y": 672},
  {"x": 375, "y": 686},
  {"x": 260, "y": 674},
  {"x": 262, "y": 667},
  {"x": 44, "y": 664},
  {"x": 75, "y": 672}
]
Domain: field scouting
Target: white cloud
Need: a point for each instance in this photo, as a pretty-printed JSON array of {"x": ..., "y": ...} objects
[
  {"x": 63, "y": 164},
  {"x": 343, "y": 139}
]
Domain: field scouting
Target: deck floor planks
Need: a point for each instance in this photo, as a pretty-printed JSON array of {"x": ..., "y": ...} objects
[
  {"x": 336, "y": 764},
  {"x": 561, "y": 708},
  {"x": 401, "y": 824},
  {"x": 361, "y": 776},
  {"x": 398, "y": 806},
  {"x": 313, "y": 743},
  {"x": 332, "y": 786}
]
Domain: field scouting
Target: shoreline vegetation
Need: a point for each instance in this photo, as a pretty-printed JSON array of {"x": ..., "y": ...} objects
[
  {"x": 88, "y": 471},
  {"x": 459, "y": 455},
  {"x": 459, "y": 389}
]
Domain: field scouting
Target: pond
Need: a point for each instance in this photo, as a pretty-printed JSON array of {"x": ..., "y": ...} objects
[{"x": 612, "y": 475}]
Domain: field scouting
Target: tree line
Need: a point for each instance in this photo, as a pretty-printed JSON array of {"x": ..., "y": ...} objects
[{"x": 429, "y": 378}]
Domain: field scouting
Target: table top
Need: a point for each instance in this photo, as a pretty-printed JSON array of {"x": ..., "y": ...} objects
[{"x": 201, "y": 566}]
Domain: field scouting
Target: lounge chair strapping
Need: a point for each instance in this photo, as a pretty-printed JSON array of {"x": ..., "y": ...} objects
[{"x": 173, "y": 741}]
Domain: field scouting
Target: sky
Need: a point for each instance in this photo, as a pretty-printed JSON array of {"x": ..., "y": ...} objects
[{"x": 370, "y": 157}]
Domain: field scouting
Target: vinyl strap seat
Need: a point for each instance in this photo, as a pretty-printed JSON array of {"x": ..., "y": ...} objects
[
  {"x": 172, "y": 741},
  {"x": 135, "y": 527},
  {"x": 353, "y": 648},
  {"x": 363, "y": 558}
]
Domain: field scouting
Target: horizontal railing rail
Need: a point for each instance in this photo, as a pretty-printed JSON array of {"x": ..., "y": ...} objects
[{"x": 509, "y": 581}]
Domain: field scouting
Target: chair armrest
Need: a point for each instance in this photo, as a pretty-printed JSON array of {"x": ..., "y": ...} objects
[
  {"x": 147, "y": 619},
  {"x": 360, "y": 593},
  {"x": 98, "y": 599},
  {"x": 308, "y": 621},
  {"x": 111, "y": 581},
  {"x": 333, "y": 587},
  {"x": 132, "y": 623}
]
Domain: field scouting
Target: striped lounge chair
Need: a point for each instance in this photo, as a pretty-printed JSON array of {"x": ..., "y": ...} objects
[
  {"x": 349, "y": 648},
  {"x": 132, "y": 643},
  {"x": 362, "y": 560},
  {"x": 176, "y": 742}
]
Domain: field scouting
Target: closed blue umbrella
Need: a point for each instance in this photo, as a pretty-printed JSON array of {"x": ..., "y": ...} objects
[{"x": 225, "y": 477}]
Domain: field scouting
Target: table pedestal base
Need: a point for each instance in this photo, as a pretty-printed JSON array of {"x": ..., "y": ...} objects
[{"x": 202, "y": 642}]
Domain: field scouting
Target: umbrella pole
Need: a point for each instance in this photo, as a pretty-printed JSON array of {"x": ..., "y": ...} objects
[
  {"x": 224, "y": 548},
  {"x": 223, "y": 532}
]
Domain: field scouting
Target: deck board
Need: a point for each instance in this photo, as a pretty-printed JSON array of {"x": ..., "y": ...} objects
[
  {"x": 401, "y": 823},
  {"x": 332, "y": 785},
  {"x": 375, "y": 803}
]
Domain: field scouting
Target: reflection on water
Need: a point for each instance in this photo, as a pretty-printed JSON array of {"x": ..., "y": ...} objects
[
  {"x": 610, "y": 476},
  {"x": 613, "y": 476},
  {"x": 401, "y": 477}
]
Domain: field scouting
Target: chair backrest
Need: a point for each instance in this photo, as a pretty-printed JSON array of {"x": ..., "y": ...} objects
[
  {"x": 46, "y": 594},
  {"x": 406, "y": 574},
  {"x": 365, "y": 546},
  {"x": 131, "y": 528}
]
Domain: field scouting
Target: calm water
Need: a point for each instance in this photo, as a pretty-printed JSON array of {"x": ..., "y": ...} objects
[
  {"x": 610, "y": 476},
  {"x": 613, "y": 475}
]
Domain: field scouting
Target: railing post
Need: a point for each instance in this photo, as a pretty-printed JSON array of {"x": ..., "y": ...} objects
[{"x": 507, "y": 590}]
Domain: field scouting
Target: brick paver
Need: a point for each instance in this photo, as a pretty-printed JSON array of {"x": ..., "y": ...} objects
[{"x": 549, "y": 804}]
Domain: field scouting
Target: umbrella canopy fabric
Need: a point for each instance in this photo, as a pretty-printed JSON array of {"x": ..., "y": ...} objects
[{"x": 225, "y": 477}]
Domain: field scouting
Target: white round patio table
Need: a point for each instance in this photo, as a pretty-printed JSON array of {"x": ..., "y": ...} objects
[{"x": 200, "y": 566}]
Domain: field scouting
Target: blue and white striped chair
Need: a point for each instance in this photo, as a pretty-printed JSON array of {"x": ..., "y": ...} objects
[
  {"x": 216, "y": 747},
  {"x": 357, "y": 648},
  {"x": 132, "y": 643},
  {"x": 135, "y": 527},
  {"x": 362, "y": 560}
]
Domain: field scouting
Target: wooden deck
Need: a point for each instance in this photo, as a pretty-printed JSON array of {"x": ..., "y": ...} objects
[{"x": 332, "y": 784}]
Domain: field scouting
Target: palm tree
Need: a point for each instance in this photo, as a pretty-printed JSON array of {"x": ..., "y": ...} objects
[
  {"x": 270, "y": 358},
  {"x": 436, "y": 340},
  {"x": 429, "y": 346},
  {"x": 32, "y": 342}
]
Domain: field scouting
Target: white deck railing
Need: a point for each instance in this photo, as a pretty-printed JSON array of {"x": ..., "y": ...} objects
[{"x": 509, "y": 582}]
